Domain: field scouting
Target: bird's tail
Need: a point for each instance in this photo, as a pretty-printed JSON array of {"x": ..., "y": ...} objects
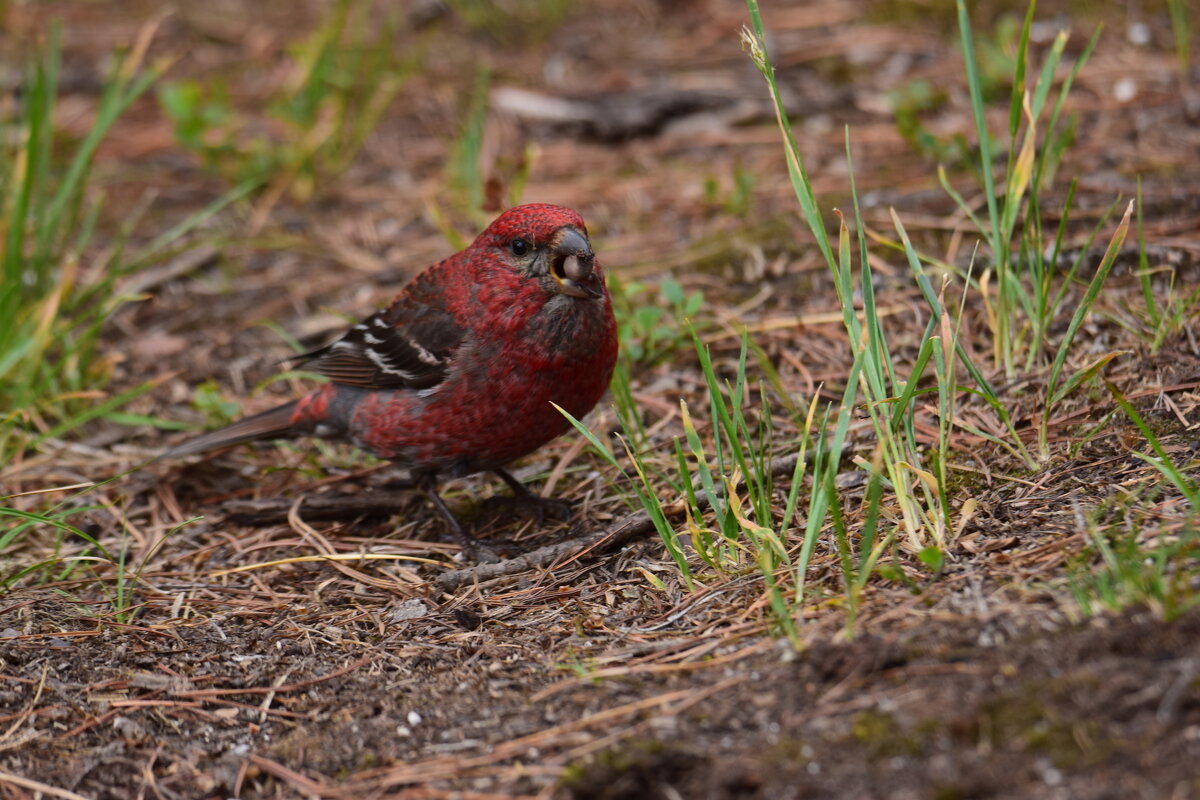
[{"x": 273, "y": 424}]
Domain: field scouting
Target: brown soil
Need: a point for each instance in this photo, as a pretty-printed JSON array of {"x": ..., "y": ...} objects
[{"x": 587, "y": 670}]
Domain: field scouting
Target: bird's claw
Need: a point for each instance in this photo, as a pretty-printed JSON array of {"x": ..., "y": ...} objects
[
  {"x": 480, "y": 553},
  {"x": 489, "y": 551},
  {"x": 533, "y": 505}
]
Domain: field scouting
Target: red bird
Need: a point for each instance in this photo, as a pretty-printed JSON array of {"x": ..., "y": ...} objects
[{"x": 458, "y": 374}]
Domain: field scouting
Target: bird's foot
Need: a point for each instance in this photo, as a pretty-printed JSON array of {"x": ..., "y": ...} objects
[
  {"x": 532, "y": 505},
  {"x": 477, "y": 550},
  {"x": 489, "y": 551},
  {"x": 481, "y": 552},
  {"x": 528, "y": 503}
]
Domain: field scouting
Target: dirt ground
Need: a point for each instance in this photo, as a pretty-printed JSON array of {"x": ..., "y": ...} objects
[{"x": 232, "y": 669}]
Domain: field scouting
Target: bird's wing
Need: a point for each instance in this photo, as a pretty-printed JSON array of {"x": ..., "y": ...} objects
[{"x": 408, "y": 345}]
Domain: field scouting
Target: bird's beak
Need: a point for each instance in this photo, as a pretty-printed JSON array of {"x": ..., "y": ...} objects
[{"x": 573, "y": 265}]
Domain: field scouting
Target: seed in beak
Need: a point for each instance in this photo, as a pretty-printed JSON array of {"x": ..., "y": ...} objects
[
  {"x": 574, "y": 265},
  {"x": 574, "y": 274},
  {"x": 576, "y": 268}
]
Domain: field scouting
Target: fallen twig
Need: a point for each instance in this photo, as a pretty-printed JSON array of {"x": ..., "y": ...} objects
[
  {"x": 273, "y": 510},
  {"x": 628, "y": 528}
]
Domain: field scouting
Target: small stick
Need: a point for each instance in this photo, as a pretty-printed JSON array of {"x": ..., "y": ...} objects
[
  {"x": 630, "y": 527},
  {"x": 275, "y": 509}
]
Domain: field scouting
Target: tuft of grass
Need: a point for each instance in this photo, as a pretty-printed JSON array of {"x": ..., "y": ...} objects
[
  {"x": 1180, "y": 27},
  {"x": 479, "y": 188},
  {"x": 1177, "y": 311},
  {"x": 735, "y": 200},
  {"x": 651, "y": 318},
  {"x": 721, "y": 480},
  {"x": 56, "y": 293},
  {"x": 913, "y": 474},
  {"x": 725, "y": 483},
  {"x": 52, "y": 304},
  {"x": 344, "y": 77},
  {"x": 1120, "y": 569},
  {"x": 907, "y": 500},
  {"x": 73, "y": 553},
  {"x": 728, "y": 477},
  {"x": 466, "y": 172},
  {"x": 518, "y": 22},
  {"x": 1024, "y": 256},
  {"x": 1161, "y": 460},
  {"x": 58, "y": 287}
]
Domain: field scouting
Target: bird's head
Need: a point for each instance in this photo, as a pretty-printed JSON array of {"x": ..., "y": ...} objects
[{"x": 548, "y": 244}]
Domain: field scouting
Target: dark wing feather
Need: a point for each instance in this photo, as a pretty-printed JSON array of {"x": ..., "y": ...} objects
[{"x": 408, "y": 345}]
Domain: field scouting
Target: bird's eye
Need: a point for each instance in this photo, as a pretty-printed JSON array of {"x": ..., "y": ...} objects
[{"x": 519, "y": 247}]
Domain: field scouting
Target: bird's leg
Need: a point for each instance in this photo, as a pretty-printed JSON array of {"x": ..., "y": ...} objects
[
  {"x": 470, "y": 545},
  {"x": 530, "y": 503},
  {"x": 400, "y": 485}
]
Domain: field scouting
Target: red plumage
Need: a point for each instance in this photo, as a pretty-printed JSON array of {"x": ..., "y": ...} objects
[{"x": 459, "y": 373}]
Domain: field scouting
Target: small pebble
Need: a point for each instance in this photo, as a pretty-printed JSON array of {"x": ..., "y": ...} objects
[{"x": 1124, "y": 90}]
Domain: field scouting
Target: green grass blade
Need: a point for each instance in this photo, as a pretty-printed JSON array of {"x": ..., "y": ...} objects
[
  {"x": 975, "y": 89},
  {"x": 1163, "y": 463},
  {"x": 1081, "y": 312}
]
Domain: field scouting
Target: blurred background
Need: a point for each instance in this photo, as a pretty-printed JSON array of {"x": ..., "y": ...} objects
[{"x": 299, "y": 161}]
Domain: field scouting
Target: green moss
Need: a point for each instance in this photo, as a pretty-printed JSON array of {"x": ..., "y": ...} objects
[
  {"x": 632, "y": 769},
  {"x": 789, "y": 752},
  {"x": 1030, "y": 720},
  {"x": 928, "y": 728},
  {"x": 883, "y": 736},
  {"x": 951, "y": 792},
  {"x": 512, "y": 21},
  {"x": 631, "y": 755},
  {"x": 940, "y": 17}
]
